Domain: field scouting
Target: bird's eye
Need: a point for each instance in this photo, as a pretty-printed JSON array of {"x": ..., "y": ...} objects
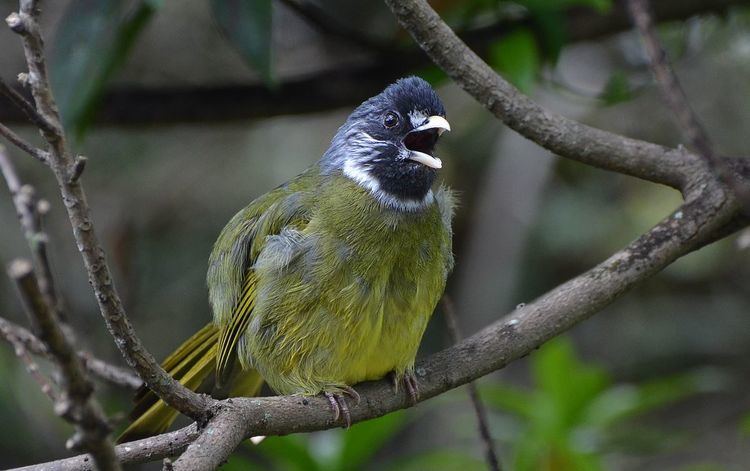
[{"x": 390, "y": 120}]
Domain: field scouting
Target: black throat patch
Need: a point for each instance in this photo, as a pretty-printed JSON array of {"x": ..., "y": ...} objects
[{"x": 404, "y": 179}]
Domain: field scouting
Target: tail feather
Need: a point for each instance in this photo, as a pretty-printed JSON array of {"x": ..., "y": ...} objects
[
  {"x": 193, "y": 364},
  {"x": 190, "y": 364}
]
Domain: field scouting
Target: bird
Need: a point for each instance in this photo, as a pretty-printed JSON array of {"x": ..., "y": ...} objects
[{"x": 330, "y": 279}]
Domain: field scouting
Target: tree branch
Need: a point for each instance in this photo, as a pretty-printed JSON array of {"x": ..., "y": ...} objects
[
  {"x": 139, "y": 451},
  {"x": 555, "y": 133},
  {"x": 16, "y": 23},
  {"x": 493, "y": 462},
  {"x": 524, "y": 330},
  {"x": 117, "y": 376},
  {"x": 67, "y": 170},
  {"x": 677, "y": 100},
  {"x": 28, "y": 211},
  {"x": 341, "y": 86},
  {"x": 19, "y": 142},
  {"x": 20, "y": 342},
  {"x": 76, "y": 403}
]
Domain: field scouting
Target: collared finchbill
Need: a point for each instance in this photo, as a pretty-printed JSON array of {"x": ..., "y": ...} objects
[{"x": 421, "y": 141}]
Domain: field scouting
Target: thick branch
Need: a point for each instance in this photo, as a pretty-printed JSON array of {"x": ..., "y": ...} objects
[
  {"x": 76, "y": 402},
  {"x": 66, "y": 170},
  {"x": 524, "y": 330},
  {"x": 555, "y": 133},
  {"x": 689, "y": 228}
]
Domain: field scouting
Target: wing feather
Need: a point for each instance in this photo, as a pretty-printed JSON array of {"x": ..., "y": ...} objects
[{"x": 231, "y": 278}]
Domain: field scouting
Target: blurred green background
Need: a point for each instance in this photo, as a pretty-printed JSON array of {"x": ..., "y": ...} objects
[{"x": 658, "y": 380}]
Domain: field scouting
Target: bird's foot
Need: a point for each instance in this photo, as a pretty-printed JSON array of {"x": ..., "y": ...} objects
[
  {"x": 411, "y": 386},
  {"x": 339, "y": 406}
]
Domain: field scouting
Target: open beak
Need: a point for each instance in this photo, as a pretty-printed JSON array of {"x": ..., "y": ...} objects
[{"x": 421, "y": 141}]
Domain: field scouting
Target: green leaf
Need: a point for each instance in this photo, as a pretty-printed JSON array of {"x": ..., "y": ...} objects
[
  {"x": 551, "y": 25},
  {"x": 247, "y": 26},
  {"x": 93, "y": 41},
  {"x": 616, "y": 90},
  {"x": 549, "y": 21},
  {"x": 364, "y": 439},
  {"x": 516, "y": 56},
  {"x": 569, "y": 384}
]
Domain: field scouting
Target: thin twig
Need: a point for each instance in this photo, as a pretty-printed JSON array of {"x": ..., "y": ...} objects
[
  {"x": 76, "y": 402},
  {"x": 16, "y": 98},
  {"x": 67, "y": 172},
  {"x": 19, "y": 142},
  {"x": 30, "y": 212},
  {"x": 22, "y": 351},
  {"x": 678, "y": 102},
  {"x": 493, "y": 462},
  {"x": 116, "y": 375}
]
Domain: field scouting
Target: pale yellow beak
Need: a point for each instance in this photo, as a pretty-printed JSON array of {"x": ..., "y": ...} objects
[{"x": 433, "y": 122}]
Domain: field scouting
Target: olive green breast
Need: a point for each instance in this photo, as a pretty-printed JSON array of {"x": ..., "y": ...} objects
[{"x": 347, "y": 297}]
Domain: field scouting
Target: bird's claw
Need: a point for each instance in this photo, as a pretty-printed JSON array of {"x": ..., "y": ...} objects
[
  {"x": 339, "y": 407},
  {"x": 411, "y": 386}
]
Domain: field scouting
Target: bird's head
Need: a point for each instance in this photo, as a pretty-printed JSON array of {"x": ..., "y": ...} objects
[{"x": 387, "y": 145}]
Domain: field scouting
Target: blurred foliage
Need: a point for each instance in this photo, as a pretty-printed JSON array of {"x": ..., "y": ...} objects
[
  {"x": 95, "y": 37},
  {"x": 617, "y": 89},
  {"x": 517, "y": 57},
  {"x": 247, "y": 25},
  {"x": 745, "y": 425},
  {"x": 91, "y": 44},
  {"x": 342, "y": 450},
  {"x": 570, "y": 418}
]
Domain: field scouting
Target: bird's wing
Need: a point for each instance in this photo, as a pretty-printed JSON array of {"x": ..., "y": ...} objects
[{"x": 231, "y": 277}]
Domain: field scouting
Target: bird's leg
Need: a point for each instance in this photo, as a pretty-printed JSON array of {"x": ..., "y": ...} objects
[
  {"x": 338, "y": 404},
  {"x": 334, "y": 404}
]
